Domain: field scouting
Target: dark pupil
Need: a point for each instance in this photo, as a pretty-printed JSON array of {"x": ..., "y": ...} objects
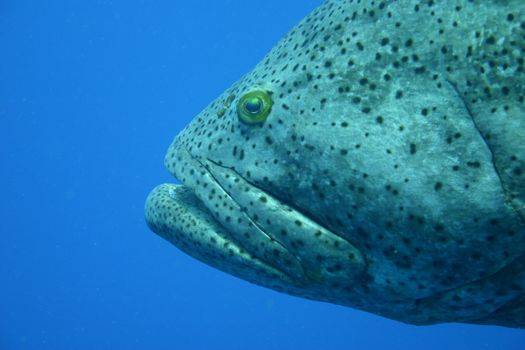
[{"x": 253, "y": 105}]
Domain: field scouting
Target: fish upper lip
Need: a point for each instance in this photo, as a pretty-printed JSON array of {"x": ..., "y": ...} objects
[
  {"x": 242, "y": 231},
  {"x": 269, "y": 229}
]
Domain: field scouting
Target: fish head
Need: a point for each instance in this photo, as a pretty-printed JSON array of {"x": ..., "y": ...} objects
[{"x": 247, "y": 164}]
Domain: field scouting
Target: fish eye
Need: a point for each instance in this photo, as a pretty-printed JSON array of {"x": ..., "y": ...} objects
[{"x": 254, "y": 107}]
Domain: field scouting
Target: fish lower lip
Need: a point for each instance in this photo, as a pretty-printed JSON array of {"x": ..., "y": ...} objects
[{"x": 176, "y": 214}]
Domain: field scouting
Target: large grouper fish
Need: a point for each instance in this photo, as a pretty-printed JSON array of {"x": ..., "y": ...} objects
[{"x": 375, "y": 158}]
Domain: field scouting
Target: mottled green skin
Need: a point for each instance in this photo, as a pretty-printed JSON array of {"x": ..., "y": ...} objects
[{"x": 389, "y": 175}]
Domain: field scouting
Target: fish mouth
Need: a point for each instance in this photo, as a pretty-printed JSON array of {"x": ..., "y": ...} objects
[{"x": 220, "y": 218}]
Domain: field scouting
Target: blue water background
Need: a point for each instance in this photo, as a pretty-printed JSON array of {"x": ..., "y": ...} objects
[{"x": 91, "y": 95}]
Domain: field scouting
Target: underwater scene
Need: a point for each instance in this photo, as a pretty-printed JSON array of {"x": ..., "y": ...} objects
[{"x": 314, "y": 174}]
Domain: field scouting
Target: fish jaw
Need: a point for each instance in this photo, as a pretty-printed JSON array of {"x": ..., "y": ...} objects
[{"x": 220, "y": 218}]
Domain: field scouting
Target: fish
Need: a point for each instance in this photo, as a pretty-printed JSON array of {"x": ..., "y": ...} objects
[{"x": 375, "y": 159}]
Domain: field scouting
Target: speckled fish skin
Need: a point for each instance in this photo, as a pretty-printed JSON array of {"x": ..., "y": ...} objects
[{"x": 389, "y": 175}]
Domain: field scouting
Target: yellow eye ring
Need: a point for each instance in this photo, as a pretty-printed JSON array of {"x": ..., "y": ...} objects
[{"x": 254, "y": 107}]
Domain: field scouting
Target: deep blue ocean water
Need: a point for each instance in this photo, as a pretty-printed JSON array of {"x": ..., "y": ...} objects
[{"x": 91, "y": 95}]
